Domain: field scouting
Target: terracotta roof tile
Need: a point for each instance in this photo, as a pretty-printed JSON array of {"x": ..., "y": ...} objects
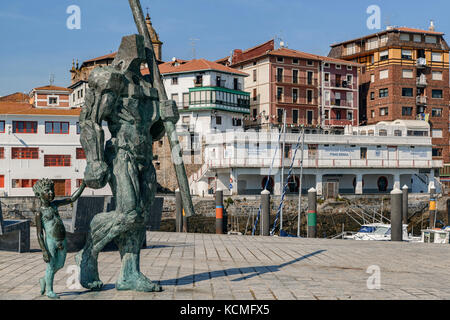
[
  {"x": 53, "y": 88},
  {"x": 197, "y": 65},
  {"x": 16, "y": 108},
  {"x": 16, "y": 97},
  {"x": 106, "y": 56}
]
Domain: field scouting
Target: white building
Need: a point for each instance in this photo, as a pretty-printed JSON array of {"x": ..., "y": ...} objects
[
  {"x": 77, "y": 96},
  {"x": 209, "y": 95},
  {"x": 365, "y": 160},
  {"x": 41, "y": 142}
]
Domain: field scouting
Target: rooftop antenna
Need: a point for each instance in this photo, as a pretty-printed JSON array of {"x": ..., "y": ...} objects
[
  {"x": 52, "y": 79},
  {"x": 193, "y": 46}
]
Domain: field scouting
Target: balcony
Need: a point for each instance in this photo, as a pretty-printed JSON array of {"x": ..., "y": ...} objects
[
  {"x": 339, "y": 84},
  {"x": 421, "y": 100},
  {"x": 338, "y": 122},
  {"x": 421, "y": 63},
  {"x": 421, "y": 82},
  {"x": 198, "y": 83},
  {"x": 341, "y": 103},
  {"x": 295, "y": 80}
]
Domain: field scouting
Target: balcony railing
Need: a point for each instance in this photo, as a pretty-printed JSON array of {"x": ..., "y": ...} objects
[
  {"x": 338, "y": 122},
  {"x": 421, "y": 100},
  {"x": 421, "y": 63},
  {"x": 421, "y": 81},
  {"x": 339, "y": 84},
  {"x": 312, "y": 162},
  {"x": 295, "y": 80},
  {"x": 341, "y": 103}
]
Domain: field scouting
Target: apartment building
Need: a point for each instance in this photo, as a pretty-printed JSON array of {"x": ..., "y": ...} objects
[
  {"x": 320, "y": 93},
  {"x": 40, "y": 138},
  {"x": 405, "y": 76}
]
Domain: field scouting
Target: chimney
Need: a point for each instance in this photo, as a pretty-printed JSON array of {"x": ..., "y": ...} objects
[{"x": 431, "y": 28}]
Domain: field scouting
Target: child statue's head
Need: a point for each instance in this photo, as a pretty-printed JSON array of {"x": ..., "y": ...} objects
[{"x": 44, "y": 189}]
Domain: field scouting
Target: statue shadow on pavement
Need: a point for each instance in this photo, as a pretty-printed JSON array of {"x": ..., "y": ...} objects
[{"x": 246, "y": 272}]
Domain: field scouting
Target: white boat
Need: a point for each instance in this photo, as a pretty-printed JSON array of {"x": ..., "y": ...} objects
[
  {"x": 436, "y": 235},
  {"x": 379, "y": 232}
]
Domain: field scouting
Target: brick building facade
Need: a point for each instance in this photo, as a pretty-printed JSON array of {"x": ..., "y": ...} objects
[{"x": 405, "y": 76}]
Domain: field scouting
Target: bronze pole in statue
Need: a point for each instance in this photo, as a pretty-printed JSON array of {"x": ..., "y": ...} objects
[{"x": 169, "y": 126}]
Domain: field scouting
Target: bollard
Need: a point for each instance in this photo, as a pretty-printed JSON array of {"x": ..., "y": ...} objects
[
  {"x": 312, "y": 214},
  {"x": 432, "y": 208},
  {"x": 405, "y": 204},
  {"x": 219, "y": 211},
  {"x": 448, "y": 212},
  {"x": 178, "y": 212},
  {"x": 396, "y": 215},
  {"x": 265, "y": 213}
]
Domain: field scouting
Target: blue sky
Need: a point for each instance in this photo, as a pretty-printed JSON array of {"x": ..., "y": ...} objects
[{"x": 35, "y": 41}]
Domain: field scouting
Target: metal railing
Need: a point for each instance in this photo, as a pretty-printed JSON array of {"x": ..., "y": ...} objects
[{"x": 295, "y": 80}]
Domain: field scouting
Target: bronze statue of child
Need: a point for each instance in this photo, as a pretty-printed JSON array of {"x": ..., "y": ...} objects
[{"x": 51, "y": 232}]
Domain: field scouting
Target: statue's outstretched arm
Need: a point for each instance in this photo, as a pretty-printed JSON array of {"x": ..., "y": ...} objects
[{"x": 73, "y": 198}]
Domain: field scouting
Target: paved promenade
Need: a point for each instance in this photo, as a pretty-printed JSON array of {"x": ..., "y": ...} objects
[{"x": 204, "y": 266}]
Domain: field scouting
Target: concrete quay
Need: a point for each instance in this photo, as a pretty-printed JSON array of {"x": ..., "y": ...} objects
[{"x": 208, "y": 266}]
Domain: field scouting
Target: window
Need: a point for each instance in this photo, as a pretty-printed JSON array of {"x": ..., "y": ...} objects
[
  {"x": 436, "y": 112},
  {"x": 174, "y": 80},
  {"x": 436, "y": 57},
  {"x": 255, "y": 96},
  {"x": 78, "y": 128},
  {"x": 2, "y": 153},
  {"x": 327, "y": 65},
  {"x": 384, "y": 74},
  {"x": 78, "y": 182},
  {"x": 310, "y": 63},
  {"x": 398, "y": 133},
  {"x": 254, "y": 75},
  {"x": 280, "y": 115},
  {"x": 279, "y": 74},
  {"x": 53, "y": 127},
  {"x": 280, "y": 59},
  {"x": 436, "y": 94},
  {"x": 406, "y": 54},
  {"x": 24, "y": 126},
  {"x": 384, "y": 55},
  {"x": 417, "y": 133},
  {"x": 174, "y": 97},
  {"x": 407, "y": 92},
  {"x": 384, "y": 93},
  {"x": 437, "y": 75},
  {"x": 349, "y": 115},
  {"x": 338, "y": 66},
  {"x": 198, "y": 80},
  {"x": 295, "y": 61},
  {"x": 56, "y": 160},
  {"x": 2, "y": 126},
  {"x": 372, "y": 44},
  {"x": 294, "y": 95},
  {"x": 310, "y": 77},
  {"x": 430, "y": 39},
  {"x": 54, "y": 100},
  {"x": 309, "y": 94},
  {"x": 384, "y": 111},
  {"x": 382, "y": 132},
  {"x": 294, "y": 76},
  {"x": 326, "y": 77},
  {"x": 372, "y": 114},
  {"x": 407, "y": 73},
  {"x": 436, "y": 133},
  {"x": 309, "y": 116},
  {"x": 279, "y": 94},
  {"x": 2, "y": 181},
  {"x": 80, "y": 153},
  {"x": 23, "y": 183},
  {"x": 404, "y": 37},
  {"x": 417, "y": 38},
  {"x": 295, "y": 116},
  {"x": 349, "y": 68},
  {"x": 436, "y": 152},
  {"x": 24, "y": 153},
  {"x": 218, "y": 120},
  {"x": 407, "y": 111},
  {"x": 372, "y": 95},
  {"x": 372, "y": 78},
  {"x": 363, "y": 153}
]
